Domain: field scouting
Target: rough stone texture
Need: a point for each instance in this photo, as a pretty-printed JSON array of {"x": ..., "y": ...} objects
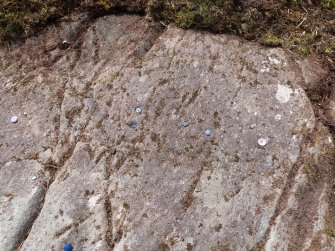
[
  {"x": 20, "y": 200},
  {"x": 330, "y": 109},
  {"x": 103, "y": 185}
]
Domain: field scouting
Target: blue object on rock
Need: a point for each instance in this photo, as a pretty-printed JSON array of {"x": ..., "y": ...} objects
[
  {"x": 208, "y": 133},
  {"x": 133, "y": 124},
  {"x": 185, "y": 123},
  {"x": 68, "y": 247}
]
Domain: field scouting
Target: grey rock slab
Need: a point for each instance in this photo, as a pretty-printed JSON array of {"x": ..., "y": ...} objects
[
  {"x": 160, "y": 186},
  {"x": 32, "y": 90},
  {"x": 34, "y": 133},
  {"x": 310, "y": 195},
  {"x": 175, "y": 188},
  {"x": 20, "y": 200},
  {"x": 74, "y": 208}
]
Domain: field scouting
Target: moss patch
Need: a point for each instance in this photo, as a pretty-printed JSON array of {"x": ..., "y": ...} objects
[
  {"x": 272, "y": 41},
  {"x": 302, "y": 26},
  {"x": 22, "y": 17},
  {"x": 306, "y": 26},
  {"x": 209, "y": 14}
]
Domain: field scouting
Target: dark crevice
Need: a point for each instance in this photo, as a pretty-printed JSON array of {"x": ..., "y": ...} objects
[
  {"x": 281, "y": 204},
  {"x": 109, "y": 232},
  {"x": 53, "y": 169}
]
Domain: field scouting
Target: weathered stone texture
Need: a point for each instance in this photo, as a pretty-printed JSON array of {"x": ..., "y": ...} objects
[{"x": 103, "y": 185}]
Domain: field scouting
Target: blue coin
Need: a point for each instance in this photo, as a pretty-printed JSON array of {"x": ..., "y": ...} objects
[
  {"x": 68, "y": 247},
  {"x": 133, "y": 124},
  {"x": 208, "y": 133}
]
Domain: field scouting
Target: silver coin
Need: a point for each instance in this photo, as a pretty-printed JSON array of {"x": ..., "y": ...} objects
[
  {"x": 262, "y": 142},
  {"x": 14, "y": 119},
  {"x": 208, "y": 133},
  {"x": 138, "y": 110},
  {"x": 185, "y": 123},
  {"x": 34, "y": 178}
]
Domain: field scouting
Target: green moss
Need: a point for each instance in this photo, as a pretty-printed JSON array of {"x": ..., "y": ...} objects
[
  {"x": 22, "y": 17},
  {"x": 272, "y": 41},
  {"x": 215, "y": 14},
  {"x": 296, "y": 41},
  {"x": 303, "y": 50},
  {"x": 274, "y": 23},
  {"x": 329, "y": 3}
]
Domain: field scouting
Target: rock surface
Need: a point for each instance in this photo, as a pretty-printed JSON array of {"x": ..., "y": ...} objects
[{"x": 103, "y": 185}]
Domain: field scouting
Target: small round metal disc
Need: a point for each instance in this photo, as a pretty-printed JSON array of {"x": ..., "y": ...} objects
[
  {"x": 68, "y": 247},
  {"x": 138, "y": 110},
  {"x": 14, "y": 119},
  {"x": 133, "y": 124},
  {"x": 208, "y": 133},
  {"x": 262, "y": 142},
  {"x": 185, "y": 123},
  {"x": 34, "y": 178}
]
